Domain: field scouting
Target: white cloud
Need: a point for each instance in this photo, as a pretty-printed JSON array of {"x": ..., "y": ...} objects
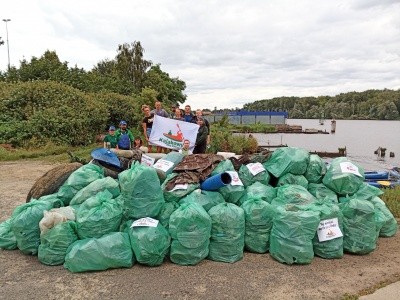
[{"x": 228, "y": 52}]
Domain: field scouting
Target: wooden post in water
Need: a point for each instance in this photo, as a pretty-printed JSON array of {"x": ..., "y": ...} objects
[{"x": 333, "y": 126}]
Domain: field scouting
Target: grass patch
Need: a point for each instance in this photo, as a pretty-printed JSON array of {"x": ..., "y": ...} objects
[
  {"x": 50, "y": 153},
  {"x": 392, "y": 200},
  {"x": 254, "y": 128},
  {"x": 349, "y": 297}
]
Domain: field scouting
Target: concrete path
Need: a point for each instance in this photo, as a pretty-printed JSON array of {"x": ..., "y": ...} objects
[{"x": 390, "y": 292}]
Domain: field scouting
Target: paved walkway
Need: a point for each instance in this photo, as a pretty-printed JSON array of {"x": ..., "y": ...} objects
[{"x": 390, "y": 292}]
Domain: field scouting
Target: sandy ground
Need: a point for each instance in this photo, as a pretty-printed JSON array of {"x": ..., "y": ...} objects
[{"x": 257, "y": 276}]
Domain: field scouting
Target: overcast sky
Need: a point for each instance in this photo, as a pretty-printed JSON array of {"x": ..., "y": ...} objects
[{"x": 228, "y": 52}]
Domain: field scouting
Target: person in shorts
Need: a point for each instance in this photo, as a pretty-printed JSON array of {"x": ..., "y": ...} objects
[{"x": 147, "y": 124}]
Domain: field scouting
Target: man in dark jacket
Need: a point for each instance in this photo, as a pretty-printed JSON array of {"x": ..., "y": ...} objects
[{"x": 201, "y": 139}]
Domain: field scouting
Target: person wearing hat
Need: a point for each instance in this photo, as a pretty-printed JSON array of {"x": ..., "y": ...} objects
[
  {"x": 110, "y": 140},
  {"x": 124, "y": 136},
  {"x": 201, "y": 139}
]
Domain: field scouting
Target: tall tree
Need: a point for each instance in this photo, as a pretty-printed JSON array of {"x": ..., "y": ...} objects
[{"x": 131, "y": 65}]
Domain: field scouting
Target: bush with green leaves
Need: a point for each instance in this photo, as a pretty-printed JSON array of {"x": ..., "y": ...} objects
[{"x": 41, "y": 111}]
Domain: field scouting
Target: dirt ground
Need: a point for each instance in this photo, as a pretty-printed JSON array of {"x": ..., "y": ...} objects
[{"x": 257, "y": 276}]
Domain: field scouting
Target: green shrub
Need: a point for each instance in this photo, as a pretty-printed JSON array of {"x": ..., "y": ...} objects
[
  {"x": 392, "y": 200},
  {"x": 42, "y": 111},
  {"x": 223, "y": 140}
]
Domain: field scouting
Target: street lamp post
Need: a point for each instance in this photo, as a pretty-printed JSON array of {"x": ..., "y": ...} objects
[{"x": 8, "y": 45}]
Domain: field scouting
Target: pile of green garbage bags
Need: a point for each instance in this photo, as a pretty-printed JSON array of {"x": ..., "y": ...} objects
[{"x": 292, "y": 206}]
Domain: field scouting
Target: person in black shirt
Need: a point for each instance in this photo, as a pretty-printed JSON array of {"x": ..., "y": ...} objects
[{"x": 147, "y": 124}]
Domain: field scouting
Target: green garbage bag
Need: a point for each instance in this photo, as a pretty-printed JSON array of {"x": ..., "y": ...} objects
[
  {"x": 112, "y": 250},
  {"x": 166, "y": 211},
  {"x": 366, "y": 192},
  {"x": 292, "y": 194},
  {"x": 259, "y": 191},
  {"x": 25, "y": 225},
  {"x": 234, "y": 191},
  {"x": 290, "y": 179},
  {"x": 78, "y": 180},
  {"x": 328, "y": 241},
  {"x": 227, "y": 233},
  {"x": 359, "y": 226},
  {"x": 7, "y": 237},
  {"x": 253, "y": 172},
  {"x": 166, "y": 165},
  {"x": 141, "y": 191},
  {"x": 321, "y": 192},
  {"x": 316, "y": 169},
  {"x": 176, "y": 192},
  {"x": 288, "y": 160},
  {"x": 182, "y": 255},
  {"x": 150, "y": 241},
  {"x": 223, "y": 166},
  {"x": 189, "y": 227},
  {"x": 206, "y": 199},
  {"x": 292, "y": 233},
  {"x": 55, "y": 242},
  {"x": 386, "y": 222},
  {"x": 98, "y": 215},
  {"x": 343, "y": 176},
  {"x": 258, "y": 224},
  {"x": 53, "y": 199},
  {"x": 94, "y": 187}
]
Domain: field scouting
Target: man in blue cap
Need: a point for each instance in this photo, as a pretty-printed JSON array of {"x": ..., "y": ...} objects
[
  {"x": 124, "y": 136},
  {"x": 110, "y": 140}
]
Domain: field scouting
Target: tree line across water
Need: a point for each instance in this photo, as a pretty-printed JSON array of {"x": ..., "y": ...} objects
[{"x": 367, "y": 105}]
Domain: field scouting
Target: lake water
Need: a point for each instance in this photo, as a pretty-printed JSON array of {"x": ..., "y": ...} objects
[{"x": 360, "y": 137}]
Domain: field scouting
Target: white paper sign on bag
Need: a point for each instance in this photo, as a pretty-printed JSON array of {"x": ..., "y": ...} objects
[
  {"x": 255, "y": 168},
  {"x": 147, "y": 160},
  {"x": 348, "y": 167},
  {"x": 328, "y": 230},
  {"x": 145, "y": 222},
  {"x": 163, "y": 165},
  {"x": 180, "y": 187},
  {"x": 235, "y": 178}
]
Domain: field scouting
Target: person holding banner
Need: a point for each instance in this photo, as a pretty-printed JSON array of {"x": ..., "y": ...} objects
[
  {"x": 201, "y": 139},
  {"x": 162, "y": 113},
  {"x": 147, "y": 125},
  {"x": 178, "y": 115},
  {"x": 159, "y": 111}
]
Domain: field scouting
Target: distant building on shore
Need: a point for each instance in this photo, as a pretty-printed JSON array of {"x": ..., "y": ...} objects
[{"x": 250, "y": 117}]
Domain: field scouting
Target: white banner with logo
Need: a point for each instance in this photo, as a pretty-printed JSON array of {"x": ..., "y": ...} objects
[{"x": 170, "y": 133}]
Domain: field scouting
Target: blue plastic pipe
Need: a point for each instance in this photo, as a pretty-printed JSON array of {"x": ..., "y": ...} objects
[{"x": 215, "y": 182}]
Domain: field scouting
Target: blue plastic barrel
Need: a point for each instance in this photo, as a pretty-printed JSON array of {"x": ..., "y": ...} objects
[{"x": 215, "y": 182}]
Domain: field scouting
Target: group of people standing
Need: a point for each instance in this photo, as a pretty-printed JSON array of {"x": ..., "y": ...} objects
[{"x": 122, "y": 138}]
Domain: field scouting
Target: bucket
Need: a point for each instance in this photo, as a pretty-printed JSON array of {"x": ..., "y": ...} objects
[{"x": 215, "y": 182}]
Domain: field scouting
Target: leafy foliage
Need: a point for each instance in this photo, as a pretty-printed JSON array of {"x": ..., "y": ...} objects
[
  {"x": 42, "y": 111},
  {"x": 370, "y": 104},
  {"x": 223, "y": 140}
]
